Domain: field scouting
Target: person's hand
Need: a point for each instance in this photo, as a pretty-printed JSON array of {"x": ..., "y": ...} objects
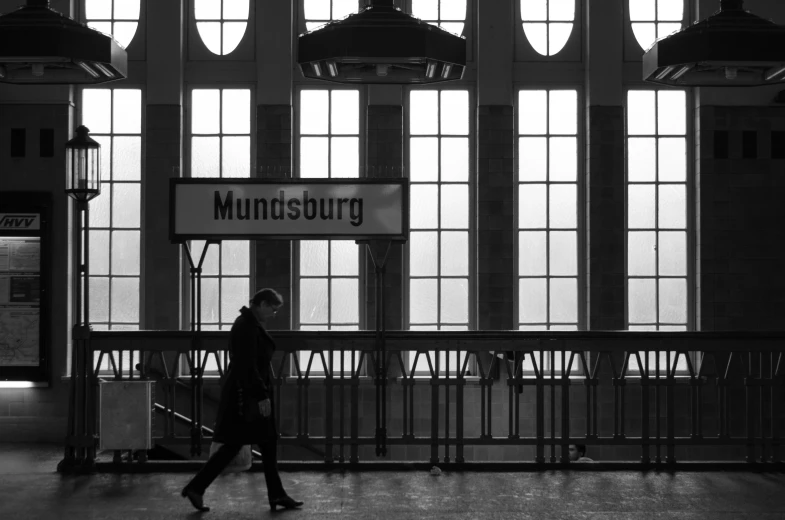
[{"x": 265, "y": 408}]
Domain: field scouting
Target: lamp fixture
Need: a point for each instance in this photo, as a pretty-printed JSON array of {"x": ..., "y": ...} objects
[{"x": 83, "y": 166}]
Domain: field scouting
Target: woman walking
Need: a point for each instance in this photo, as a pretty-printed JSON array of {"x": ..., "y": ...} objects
[{"x": 245, "y": 413}]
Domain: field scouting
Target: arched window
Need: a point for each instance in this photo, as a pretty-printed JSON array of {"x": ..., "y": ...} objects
[
  {"x": 221, "y": 23},
  {"x": 320, "y": 12},
  {"x": 653, "y": 19},
  {"x": 119, "y": 18},
  {"x": 450, "y": 15},
  {"x": 548, "y": 23}
]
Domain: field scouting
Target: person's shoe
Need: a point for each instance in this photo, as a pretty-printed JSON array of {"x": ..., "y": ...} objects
[
  {"x": 195, "y": 498},
  {"x": 286, "y": 502}
]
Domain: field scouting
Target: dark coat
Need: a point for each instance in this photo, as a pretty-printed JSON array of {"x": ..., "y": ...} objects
[{"x": 248, "y": 378}]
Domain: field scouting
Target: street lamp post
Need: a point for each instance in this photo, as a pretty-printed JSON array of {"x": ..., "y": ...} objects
[{"x": 83, "y": 183}]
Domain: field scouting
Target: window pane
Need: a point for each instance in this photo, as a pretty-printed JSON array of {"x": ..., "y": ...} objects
[
  {"x": 98, "y": 9},
  {"x": 533, "y": 159},
  {"x": 563, "y": 159},
  {"x": 425, "y": 9},
  {"x": 532, "y": 298},
  {"x": 640, "y": 206},
  {"x": 642, "y": 301},
  {"x": 454, "y": 28},
  {"x": 673, "y": 300},
  {"x": 424, "y": 209},
  {"x": 558, "y": 34},
  {"x": 641, "y": 253},
  {"x": 125, "y": 253},
  {"x": 672, "y": 160},
  {"x": 455, "y": 112},
  {"x": 235, "y": 9},
  {"x": 125, "y": 205},
  {"x": 640, "y": 112},
  {"x": 665, "y": 29},
  {"x": 99, "y": 299},
  {"x": 645, "y": 33},
  {"x": 106, "y": 158},
  {"x": 534, "y": 10},
  {"x": 345, "y": 157},
  {"x": 97, "y": 110},
  {"x": 563, "y": 253},
  {"x": 99, "y": 252},
  {"x": 313, "y": 157},
  {"x": 642, "y": 10},
  {"x": 235, "y": 257},
  {"x": 561, "y": 10},
  {"x": 423, "y": 253},
  {"x": 314, "y": 109},
  {"x": 125, "y": 300},
  {"x": 563, "y": 111},
  {"x": 563, "y": 206},
  {"x": 313, "y": 257},
  {"x": 455, "y": 253},
  {"x": 670, "y": 10},
  {"x": 127, "y": 159},
  {"x": 211, "y": 265},
  {"x": 211, "y": 35},
  {"x": 537, "y": 34},
  {"x": 531, "y": 206},
  {"x": 564, "y": 300},
  {"x": 104, "y": 27},
  {"x": 205, "y": 110},
  {"x": 533, "y": 112},
  {"x": 205, "y": 152},
  {"x": 455, "y": 206},
  {"x": 236, "y": 111},
  {"x": 124, "y": 32},
  {"x": 422, "y": 300},
  {"x": 423, "y": 113},
  {"x": 317, "y": 10},
  {"x": 532, "y": 253},
  {"x": 234, "y": 294},
  {"x": 127, "y": 111},
  {"x": 453, "y": 10},
  {"x": 345, "y": 110},
  {"x": 313, "y": 300},
  {"x": 236, "y": 157},
  {"x": 344, "y": 259},
  {"x": 671, "y": 112},
  {"x": 343, "y": 8},
  {"x": 424, "y": 153},
  {"x": 343, "y": 300},
  {"x": 641, "y": 154},
  {"x": 672, "y": 206},
  {"x": 455, "y": 300},
  {"x": 207, "y": 9},
  {"x": 99, "y": 207},
  {"x": 455, "y": 159},
  {"x": 673, "y": 253}
]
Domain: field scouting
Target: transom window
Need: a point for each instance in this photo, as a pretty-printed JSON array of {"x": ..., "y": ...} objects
[
  {"x": 654, "y": 19},
  {"x": 221, "y": 23},
  {"x": 548, "y": 24},
  {"x": 320, "y": 12},
  {"x": 120, "y": 18},
  {"x": 450, "y": 15}
]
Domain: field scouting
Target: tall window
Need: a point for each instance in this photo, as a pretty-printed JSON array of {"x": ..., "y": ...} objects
[
  {"x": 450, "y": 15},
  {"x": 119, "y": 18},
  {"x": 320, "y": 12},
  {"x": 328, "y": 274},
  {"x": 221, "y": 23},
  {"x": 654, "y": 19},
  {"x": 114, "y": 117},
  {"x": 548, "y": 24},
  {"x": 657, "y": 210},
  {"x": 221, "y": 147},
  {"x": 439, "y": 241}
]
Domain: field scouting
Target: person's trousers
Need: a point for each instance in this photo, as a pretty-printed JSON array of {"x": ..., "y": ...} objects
[{"x": 224, "y": 456}]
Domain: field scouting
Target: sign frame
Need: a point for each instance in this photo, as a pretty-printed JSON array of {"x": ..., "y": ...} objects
[{"x": 179, "y": 238}]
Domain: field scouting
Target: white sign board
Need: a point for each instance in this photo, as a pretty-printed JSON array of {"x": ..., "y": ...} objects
[{"x": 224, "y": 209}]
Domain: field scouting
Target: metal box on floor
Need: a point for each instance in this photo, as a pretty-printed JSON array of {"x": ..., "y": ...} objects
[{"x": 125, "y": 415}]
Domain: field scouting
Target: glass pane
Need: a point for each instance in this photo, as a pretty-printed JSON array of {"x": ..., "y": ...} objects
[
  {"x": 99, "y": 207},
  {"x": 310, "y": 26},
  {"x": 455, "y": 159},
  {"x": 642, "y": 159},
  {"x": 641, "y": 253},
  {"x": 236, "y": 111},
  {"x": 533, "y": 112},
  {"x": 104, "y": 27},
  {"x": 205, "y": 152},
  {"x": 424, "y": 208},
  {"x": 561, "y": 10},
  {"x": 125, "y": 253},
  {"x": 424, "y": 112},
  {"x": 531, "y": 206},
  {"x": 672, "y": 160},
  {"x": 563, "y": 159},
  {"x": 236, "y": 157},
  {"x": 673, "y": 253},
  {"x": 127, "y": 159},
  {"x": 124, "y": 32},
  {"x": 563, "y": 206},
  {"x": 455, "y": 254},
  {"x": 665, "y": 29},
  {"x": 642, "y": 301},
  {"x": 99, "y": 9},
  {"x": 532, "y": 300},
  {"x": 671, "y": 112},
  {"x": 99, "y": 299},
  {"x": 99, "y": 252},
  {"x": 234, "y": 295},
  {"x": 645, "y": 33},
  {"x": 126, "y": 205},
  {"x": 564, "y": 253},
  {"x": 235, "y": 257},
  {"x": 314, "y": 109},
  {"x": 673, "y": 300},
  {"x": 558, "y": 34},
  {"x": 313, "y": 157},
  {"x": 235, "y": 9},
  {"x": 424, "y": 152},
  {"x": 232, "y": 35},
  {"x": 425, "y": 9},
  {"x": 672, "y": 206},
  {"x": 534, "y": 10},
  {"x": 537, "y": 34},
  {"x": 317, "y": 10},
  {"x": 345, "y": 115},
  {"x": 564, "y": 300},
  {"x": 532, "y": 253},
  {"x": 344, "y": 258},
  {"x": 455, "y": 300},
  {"x": 125, "y": 300},
  {"x": 453, "y": 10},
  {"x": 670, "y": 10},
  {"x": 210, "y": 296},
  {"x": 343, "y": 8},
  {"x": 455, "y": 112},
  {"x": 423, "y": 253},
  {"x": 205, "y": 111},
  {"x": 455, "y": 206},
  {"x": 640, "y": 206},
  {"x": 313, "y": 300},
  {"x": 106, "y": 153},
  {"x": 211, "y": 265},
  {"x": 207, "y": 9},
  {"x": 563, "y": 112},
  {"x": 422, "y": 301},
  {"x": 642, "y": 10},
  {"x": 127, "y": 111},
  {"x": 451, "y": 27},
  {"x": 344, "y": 301},
  {"x": 313, "y": 257},
  {"x": 345, "y": 157},
  {"x": 533, "y": 159},
  {"x": 211, "y": 35},
  {"x": 640, "y": 112},
  {"x": 97, "y": 110}
]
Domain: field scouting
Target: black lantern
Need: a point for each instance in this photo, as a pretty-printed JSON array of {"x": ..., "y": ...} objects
[{"x": 83, "y": 166}]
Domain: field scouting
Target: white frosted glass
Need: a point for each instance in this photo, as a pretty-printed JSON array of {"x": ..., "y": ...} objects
[
  {"x": 563, "y": 112},
  {"x": 424, "y": 112},
  {"x": 532, "y": 253},
  {"x": 564, "y": 300},
  {"x": 561, "y": 10},
  {"x": 532, "y": 159},
  {"x": 99, "y": 9},
  {"x": 234, "y": 295},
  {"x": 232, "y": 35},
  {"x": 211, "y": 265},
  {"x": 106, "y": 160},
  {"x": 425, "y": 9},
  {"x": 672, "y": 160},
  {"x": 642, "y": 300},
  {"x": 422, "y": 300},
  {"x": 670, "y": 10},
  {"x": 643, "y": 10},
  {"x": 563, "y": 206},
  {"x": 558, "y": 34},
  {"x": 344, "y": 300},
  {"x": 205, "y": 111},
  {"x": 236, "y": 157},
  {"x": 207, "y": 9},
  {"x": 313, "y": 300},
  {"x": 125, "y": 300},
  {"x": 645, "y": 33},
  {"x": 99, "y": 252},
  {"x": 455, "y": 159},
  {"x": 343, "y": 258},
  {"x": 531, "y": 206},
  {"x": 455, "y": 112},
  {"x": 452, "y": 27},
  {"x": 99, "y": 298},
  {"x": 537, "y": 34},
  {"x": 563, "y": 253},
  {"x": 563, "y": 159},
  {"x": 455, "y": 253},
  {"x": 673, "y": 253},
  {"x": 313, "y": 257},
  {"x": 345, "y": 116},
  {"x": 127, "y": 159},
  {"x": 99, "y": 207},
  {"x": 314, "y": 110},
  {"x": 210, "y": 32},
  {"x": 104, "y": 27},
  {"x": 343, "y": 8},
  {"x": 127, "y": 117},
  {"x": 641, "y": 253},
  {"x": 205, "y": 153},
  {"x": 424, "y": 158},
  {"x": 97, "y": 110},
  {"x": 454, "y": 206},
  {"x": 455, "y": 300},
  {"x": 641, "y": 159},
  {"x": 314, "y": 157},
  {"x": 665, "y": 29},
  {"x": 310, "y": 26},
  {"x": 236, "y": 111},
  {"x": 671, "y": 112},
  {"x": 345, "y": 157},
  {"x": 235, "y": 9},
  {"x": 640, "y": 206},
  {"x": 453, "y": 10},
  {"x": 235, "y": 258},
  {"x": 532, "y": 112},
  {"x": 534, "y": 10},
  {"x": 672, "y": 206},
  {"x": 126, "y": 9},
  {"x": 126, "y": 205},
  {"x": 640, "y": 112},
  {"x": 125, "y": 253},
  {"x": 424, "y": 207},
  {"x": 124, "y": 32},
  {"x": 532, "y": 300},
  {"x": 423, "y": 253},
  {"x": 317, "y": 9},
  {"x": 673, "y": 300}
]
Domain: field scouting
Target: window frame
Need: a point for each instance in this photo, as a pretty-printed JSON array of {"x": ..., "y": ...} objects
[{"x": 137, "y": 47}]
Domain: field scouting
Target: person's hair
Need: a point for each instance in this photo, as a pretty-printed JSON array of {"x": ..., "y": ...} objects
[
  {"x": 581, "y": 449},
  {"x": 267, "y": 295}
]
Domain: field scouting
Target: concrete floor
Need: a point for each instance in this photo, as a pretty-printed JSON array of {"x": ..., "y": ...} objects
[{"x": 31, "y": 489}]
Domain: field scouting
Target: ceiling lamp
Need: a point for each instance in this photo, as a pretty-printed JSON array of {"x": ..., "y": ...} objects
[
  {"x": 39, "y": 46},
  {"x": 380, "y": 44},
  {"x": 731, "y": 48}
]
